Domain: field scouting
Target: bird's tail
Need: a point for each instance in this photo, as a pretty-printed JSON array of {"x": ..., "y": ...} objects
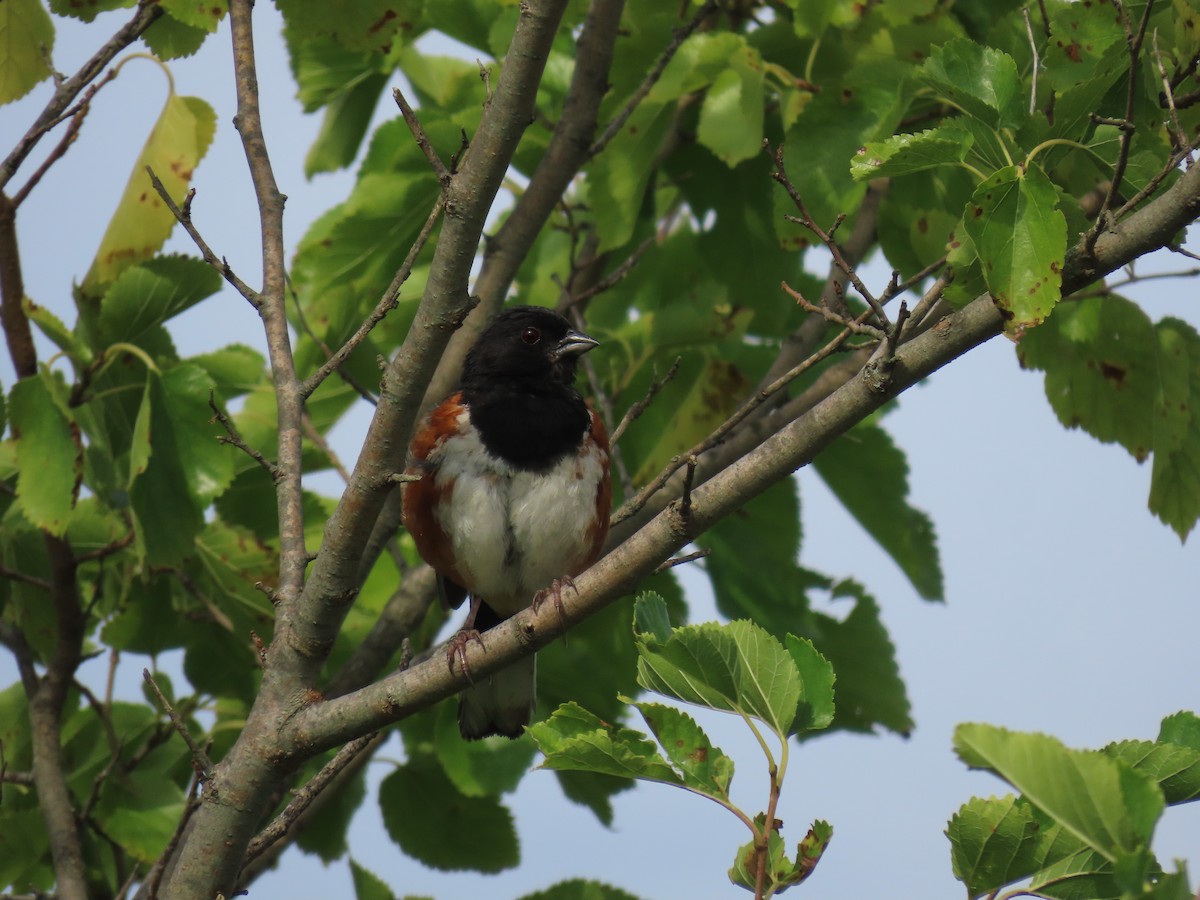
[{"x": 499, "y": 704}]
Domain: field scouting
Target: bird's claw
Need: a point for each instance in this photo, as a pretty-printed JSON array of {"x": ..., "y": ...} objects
[
  {"x": 456, "y": 648},
  {"x": 554, "y": 592}
]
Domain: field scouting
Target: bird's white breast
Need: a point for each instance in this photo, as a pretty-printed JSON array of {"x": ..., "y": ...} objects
[{"x": 514, "y": 531}]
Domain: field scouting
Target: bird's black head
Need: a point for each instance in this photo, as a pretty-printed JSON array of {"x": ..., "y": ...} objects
[
  {"x": 518, "y": 381},
  {"x": 526, "y": 343}
]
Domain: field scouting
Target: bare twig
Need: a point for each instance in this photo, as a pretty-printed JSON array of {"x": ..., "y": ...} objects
[
  {"x": 422, "y": 139},
  {"x": 154, "y": 877},
  {"x": 57, "y": 109},
  {"x": 680, "y": 560},
  {"x": 386, "y": 304},
  {"x": 1134, "y": 43},
  {"x": 635, "y": 412},
  {"x": 234, "y": 438},
  {"x": 31, "y": 580},
  {"x": 1036, "y": 61},
  {"x": 183, "y": 215},
  {"x": 830, "y": 316},
  {"x": 1182, "y": 140},
  {"x": 107, "y": 550},
  {"x": 614, "y": 277},
  {"x": 349, "y": 379},
  {"x": 304, "y": 797},
  {"x": 681, "y": 34},
  {"x": 779, "y": 174},
  {"x": 200, "y": 758},
  {"x": 65, "y": 142}
]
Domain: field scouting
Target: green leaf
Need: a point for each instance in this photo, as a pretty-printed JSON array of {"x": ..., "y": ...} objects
[
  {"x": 427, "y": 817},
  {"x": 1175, "y": 769},
  {"x": 368, "y": 885},
  {"x": 343, "y": 126},
  {"x": 817, "y": 677},
  {"x": 1079, "y": 38},
  {"x": 53, "y": 327},
  {"x": 26, "y": 39},
  {"x": 364, "y": 25},
  {"x": 168, "y": 38},
  {"x": 994, "y": 842},
  {"x": 236, "y": 369},
  {"x": 579, "y": 889},
  {"x": 199, "y": 15},
  {"x": 903, "y": 154},
  {"x": 869, "y": 475},
  {"x": 49, "y": 453},
  {"x": 1021, "y": 238},
  {"x": 141, "y": 222},
  {"x": 752, "y": 564},
  {"x": 1175, "y": 480},
  {"x": 165, "y": 496},
  {"x": 780, "y": 872},
  {"x": 146, "y": 295},
  {"x": 731, "y": 119},
  {"x": 981, "y": 81},
  {"x": 650, "y": 616},
  {"x": 737, "y": 668},
  {"x": 87, "y": 12},
  {"x": 1100, "y": 800},
  {"x": 1101, "y": 363},
  {"x": 618, "y": 178},
  {"x": 573, "y": 739},
  {"x": 869, "y": 690},
  {"x": 479, "y": 768},
  {"x": 705, "y": 768},
  {"x": 1182, "y": 728}
]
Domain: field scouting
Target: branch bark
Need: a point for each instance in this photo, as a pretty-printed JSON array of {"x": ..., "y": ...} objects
[
  {"x": 256, "y": 768},
  {"x": 749, "y": 473}
]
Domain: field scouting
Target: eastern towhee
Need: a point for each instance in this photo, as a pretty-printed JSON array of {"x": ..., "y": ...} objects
[{"x": 514, "y": 493}]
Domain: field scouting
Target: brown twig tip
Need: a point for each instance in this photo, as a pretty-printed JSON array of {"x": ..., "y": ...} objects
[
  {"x": 681, "y": 560},
  {"x": 422, "y": 139},
  {"x": 401, "y": 478},
  {"x": 235, "y": 439},
  {"x": 856, "y": 326},
  {"x": 270, "y": 592},
  {"x": 200, "y": 758},
  {"x": 634, "y": 412},
  {"x": 259, "y": 646}
]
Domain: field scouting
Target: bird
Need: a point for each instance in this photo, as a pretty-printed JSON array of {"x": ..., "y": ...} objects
[{"x": 509, "y": 494}]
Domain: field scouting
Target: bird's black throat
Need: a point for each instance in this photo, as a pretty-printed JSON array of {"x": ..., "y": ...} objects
[{"x": 531, "y": 425}]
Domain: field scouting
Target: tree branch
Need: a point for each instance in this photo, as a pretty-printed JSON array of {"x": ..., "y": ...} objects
[
  {"x": 56, "y": 110},
  {"x": 324, "y": 725}
]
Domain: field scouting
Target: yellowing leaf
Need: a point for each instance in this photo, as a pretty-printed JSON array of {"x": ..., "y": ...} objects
[
  {"x": 142, "y": 221},
  {"x": 26, "y": 38}
]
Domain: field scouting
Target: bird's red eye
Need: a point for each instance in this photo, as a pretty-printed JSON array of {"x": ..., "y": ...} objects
[{"x": 531, "y": 336}]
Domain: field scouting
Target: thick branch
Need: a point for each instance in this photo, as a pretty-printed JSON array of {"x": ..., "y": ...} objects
[
  {"x": 328, "y": 724},
  {"x": 257, "y": 766},
  {"x": 564, "y": 157}
]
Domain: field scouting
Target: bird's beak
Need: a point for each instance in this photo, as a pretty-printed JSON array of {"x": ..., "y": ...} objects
[{"x": 576, "y": 343}]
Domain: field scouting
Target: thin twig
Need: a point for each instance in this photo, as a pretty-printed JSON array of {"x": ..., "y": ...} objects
[
  {"x": 614, "y": 277},
  {"x": 107, "y": 550},
  {"x": 235, "y": 439},
  {"x": 1181, "y": 136},
  {"x": 1134, "y": 43},
  {"x": 681, "y": 34},
  {"x": 183, "y": 215},
  {"x": 1036, "y": 61},
  {"x": 279, "y": 826},
  {"x": 154, "y": 878},
  {"x": 635, "y": 412},
  {"x": 386, "y": 304},
  {"x": 56, "y": 110},
  {"x": 342, "y": 373},
  {"x": 31, "y": 580},
  {"x": 779, "y": 174},
  {"x": 632, "y": 506},
  {"x": 65, "y": 142},
  {"x": 422, "y": 139},
  {"x": 200, "y": 758},
  {"x": 830, "y": 316},
  {"x": 680, "y": 560}
]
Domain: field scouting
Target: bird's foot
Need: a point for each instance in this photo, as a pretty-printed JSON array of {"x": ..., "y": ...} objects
[
  {"x": 456, "y": 648},
  {"x": 554, "y": 592}
]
